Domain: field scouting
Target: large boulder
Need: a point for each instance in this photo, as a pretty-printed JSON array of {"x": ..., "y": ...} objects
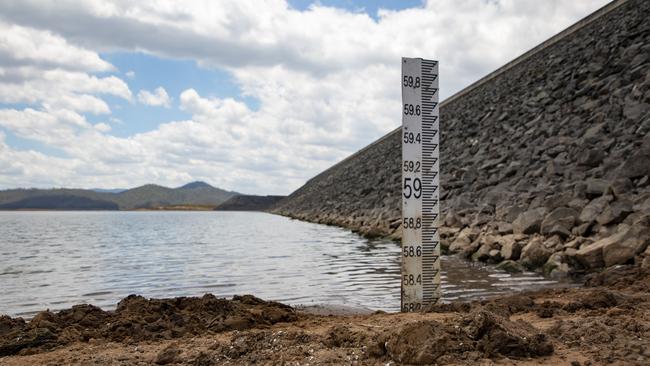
[
  {"x": 632, "y": 242},
  {"x": 618, "y": 248},
  {"x": 636, "y": 166},
  {"x": 464, "y": 239},
  {"x": 596, "y": 187},
  {"x": 591, "y": 256},
  {"x": 591, "y": 157},
  {"x": 615, "y": 212},
  {"x": 483, "y": 253},
  {"x": 621, "y": 186},
  {"x": 510, "y": 248},
  {"x": 555, "y": 267},
  {"x": 510, "y": 266},
  {"x": 535, "y": 253},
  {"x": 559, "y": 222},
  {"x": 529, "y": 222},
  {"x": 594, "y": 208}
]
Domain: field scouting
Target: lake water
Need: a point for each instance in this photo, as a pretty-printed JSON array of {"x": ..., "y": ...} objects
[{"x": 58, "y": 259}]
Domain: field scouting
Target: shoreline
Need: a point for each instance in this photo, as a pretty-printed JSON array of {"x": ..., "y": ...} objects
[{"x": 605, "y": 321}]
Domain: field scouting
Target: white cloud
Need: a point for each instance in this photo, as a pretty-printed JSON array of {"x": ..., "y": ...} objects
[
  {"x": 102, "y": 127},
  {"x": 327, "y": 82},
  {"x": 61, "y": 88},
  {"x": 46, "y": 72},
  {"x": 22, "y": 45},
  {"x": 158, "y": 97},
  {"x": 130, "y": 74},
  {"x": 471, "y": 37},
  {"x": 54, "y": 127}
]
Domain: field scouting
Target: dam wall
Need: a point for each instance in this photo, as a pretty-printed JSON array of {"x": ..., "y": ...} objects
[{"x": 545, "y": 162}]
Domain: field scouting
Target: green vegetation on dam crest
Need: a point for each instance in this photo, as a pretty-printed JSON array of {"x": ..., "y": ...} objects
[{"x": 544, "y": 166}]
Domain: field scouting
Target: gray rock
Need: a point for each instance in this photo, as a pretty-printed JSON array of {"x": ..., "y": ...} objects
[
  {"x": 504, "y": 228},
  {"x": 495, "y": 256},
  {"x": 464, "y": 240},
  {"x": 451, "y": 219},
  {"x": 513, "y": 213},
  {"x": 618, "y": 248},
  {"x": 553, "y": 261},
  {"x": 535, "y": 253},
  {"x": 634, "y": 110},
  {"x": 529, "y": 222},
  {"x": 641, "y": 218},
  {"x": 577, "y": 204},
  {"x": 591, "y": 256},
  {"x": 556, "y": 268},
  {"x": 581, "y": 230},
  {"x": 511, "y": 249},
  {"x": 554, "y": 243},
  {"x": 615, "y": 212},
  {"x": 591, "y": 158},
  {"x": 571, "y": 258},
  {"x": 625, "y": 245},
  {"x": 636, "y": 166},
  {"x": 596, "y": 187},
  {"x": 575, "y": 243},
  {"x": 594, "y": 132},
  {"x": 621, "y": 186},
  {"x": 561, "y": 272},
  {"x": 570, "y": 252},
  {"x": 579, "y": 190},
  {"x": 510, "y": 266},
  {"x": 482, "y": 254},
  {"x": 593, "y": 209},
  {"x": 559, "y": 222}
]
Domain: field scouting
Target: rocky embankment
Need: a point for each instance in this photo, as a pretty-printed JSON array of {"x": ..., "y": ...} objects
[
  {"x": 247, "y": 202},
  {"x": 545, "y": 166}
]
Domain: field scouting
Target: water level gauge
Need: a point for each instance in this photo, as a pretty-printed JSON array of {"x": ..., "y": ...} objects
[{"x": 420, "y": 184}]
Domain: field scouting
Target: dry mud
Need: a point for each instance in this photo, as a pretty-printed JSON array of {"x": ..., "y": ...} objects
[{"x": 607, "y": 321}]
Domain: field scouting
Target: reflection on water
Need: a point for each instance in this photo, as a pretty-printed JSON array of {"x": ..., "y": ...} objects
[{"x": 58, "y": 259}]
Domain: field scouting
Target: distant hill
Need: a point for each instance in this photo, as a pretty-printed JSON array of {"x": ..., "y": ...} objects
[
  {"x": 249, "y": 203},
  {"x": 147, "y": 196},
  {"x": 59, "y": 202},
  {"x": 113, "y": 190},
  {"x": 195, "y": 185}
]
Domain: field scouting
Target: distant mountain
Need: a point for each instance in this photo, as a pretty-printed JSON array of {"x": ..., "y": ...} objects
[
  {"x": 249, "y": 203},
  {"x": 144, "y": 197},
  {"x": 194, "y": 185},
  {"x": 59, "y": 202},
  {"x": 113, "y": 190}
]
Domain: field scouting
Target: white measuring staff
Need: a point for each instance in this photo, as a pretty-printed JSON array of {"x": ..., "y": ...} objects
[{"x": 420, "y": 184}]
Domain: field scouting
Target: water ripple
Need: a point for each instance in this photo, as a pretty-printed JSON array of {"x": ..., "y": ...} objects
[{"x": 58, "y": 259}]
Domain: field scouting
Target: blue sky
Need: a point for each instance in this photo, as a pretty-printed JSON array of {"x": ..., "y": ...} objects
[
  {"x": 150, "y": 72},
  {"x": 368, "y": 7},
  {"x": 252, "y": 96}
]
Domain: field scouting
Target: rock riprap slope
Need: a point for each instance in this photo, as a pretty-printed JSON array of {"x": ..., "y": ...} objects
[{"x": 545, "y": 166}]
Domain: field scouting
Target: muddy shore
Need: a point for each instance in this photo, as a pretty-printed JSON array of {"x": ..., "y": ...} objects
[{"x": 607, "y": 321}]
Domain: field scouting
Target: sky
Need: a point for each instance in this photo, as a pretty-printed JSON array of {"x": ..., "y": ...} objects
[{"x": 247, "y": 95}]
